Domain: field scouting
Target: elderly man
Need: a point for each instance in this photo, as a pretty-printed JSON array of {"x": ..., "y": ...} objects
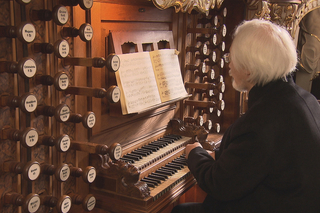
[{"x": 269, "y": 159}]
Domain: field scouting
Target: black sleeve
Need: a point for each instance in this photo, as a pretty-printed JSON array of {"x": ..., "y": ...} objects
[{"x": 239, "y": 169}]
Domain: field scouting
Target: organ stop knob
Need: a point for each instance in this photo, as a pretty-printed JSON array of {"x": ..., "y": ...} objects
[
  {"x": 25, "y": 32},
  {"x": 30, "y": 170},
  {"x": 28, "y": 137},
  {"x": 25, "y": 67},
  {"x": 30, "y": 203},
  {"x": 27, "y": 102}
]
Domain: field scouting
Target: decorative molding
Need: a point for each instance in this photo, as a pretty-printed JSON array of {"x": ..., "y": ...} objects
[
  {"x": 202, "y": 6},
  {"x": 285, "y": 13},
  {"x": 306, "y": 7}
]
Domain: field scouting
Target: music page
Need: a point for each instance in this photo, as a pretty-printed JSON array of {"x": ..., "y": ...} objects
[
  {"x": 136, "y": 80},
  {"x": 168, "y": 74}
]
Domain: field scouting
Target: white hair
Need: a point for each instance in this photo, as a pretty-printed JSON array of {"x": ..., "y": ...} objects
[{"x": 263, "y": 49}]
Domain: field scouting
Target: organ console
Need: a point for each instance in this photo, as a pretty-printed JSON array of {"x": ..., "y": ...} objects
[
  {"x": 26, "y": 67},
  {"x": 62, "y": 204},
  {"x": 30, "y": 170},
  {"x": 60, "y": 172},
  {"x": 61, "y": 143},
  {"x": 60, "y": 80},
  {"x": 114, "y": 151},
  {"x": 29, "y": 203},
  {"x": 88, "y": 175},
  {"x": 85, "y": 32},
  {"x": 27, "y": 102},
  {"x": 61, "y": 112},
  {"x": 25, "y": 32},
  {"x": 112, "y": 94},
  {"x": 88, "y": 202},
  {"x": 60, "y": 48},
  {"x": 59, "y": 15},
  {"x": 88, "y": 119},
  {"x": 154, "y": 170},
  {"x": 28, "y": 137},
  {"x": 132, "y": 162}
]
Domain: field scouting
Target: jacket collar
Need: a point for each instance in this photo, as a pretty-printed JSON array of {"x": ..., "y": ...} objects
[{"x": 257, "y": 91}]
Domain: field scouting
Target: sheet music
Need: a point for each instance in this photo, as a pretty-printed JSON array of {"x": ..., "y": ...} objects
[
  {"x": 136, "y": 77},
  {"x": 168, "y": 74}
]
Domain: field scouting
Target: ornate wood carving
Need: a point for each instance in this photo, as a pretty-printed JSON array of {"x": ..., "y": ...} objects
[
  {"x": 305, "y": 7},
  {"x": 202, "y": 6},
  {"x": 281, "y": 12},
  {"x": 125, "y": 176}
]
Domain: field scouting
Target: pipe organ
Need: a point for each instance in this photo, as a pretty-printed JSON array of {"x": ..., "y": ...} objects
[{"x": 65, "y": 144}]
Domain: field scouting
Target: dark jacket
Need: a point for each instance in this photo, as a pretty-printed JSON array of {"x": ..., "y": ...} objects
[{"x": 269, "y": 159}]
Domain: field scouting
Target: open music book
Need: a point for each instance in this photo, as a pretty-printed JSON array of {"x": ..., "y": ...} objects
[{"x": 147, "y": 79}]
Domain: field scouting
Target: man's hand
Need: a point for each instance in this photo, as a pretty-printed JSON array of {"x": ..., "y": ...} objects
[{"x": 189, "y": 147}]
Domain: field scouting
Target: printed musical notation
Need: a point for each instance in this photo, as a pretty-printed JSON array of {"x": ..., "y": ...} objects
[{"x": 149, "y": 78}]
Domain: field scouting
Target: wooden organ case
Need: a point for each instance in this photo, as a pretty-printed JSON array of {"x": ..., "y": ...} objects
[{"x": 61, "y": 127}]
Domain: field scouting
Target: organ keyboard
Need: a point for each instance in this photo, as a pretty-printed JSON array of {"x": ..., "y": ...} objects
[
  {"x": 150, "y": 153},
  {"x": 150, "y": 176},
  {"x": 166, "y": 177}
]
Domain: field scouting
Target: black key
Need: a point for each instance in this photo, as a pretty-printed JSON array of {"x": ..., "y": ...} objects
[
  {"x": 140, "y": 153},
  {"x": 159, "y": 174},
  {"x": 180, "y": 162},
  {"x": 127, "y": 160},
  {"x": 156, "y": 145},
  {"x": 177, "y": 165},
  {"x": 165, "y": 171},
  {"x": 170, "y": 169},
  {"x": 160, "y": 142},
  {"x": 145, "y": 150},
  {"x": 151, "y": 185},
  {"x": 152, "y": 179},
  {"x": 154, "y": 149},
  {"x": 177, "y": 136},
  {"x": 156, "y": 177},
  {"x": 169, "y": 140},
  {"x": 134, "y": 155},
  {"x": 173, "y": 167}
]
